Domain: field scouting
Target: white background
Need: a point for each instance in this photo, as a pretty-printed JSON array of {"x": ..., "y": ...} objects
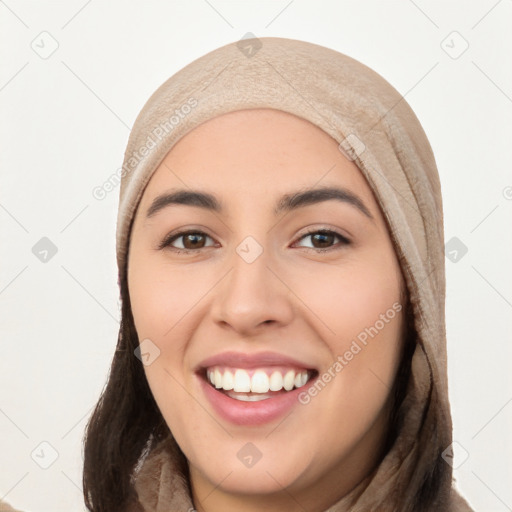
[{"x": 65, "y": 121}]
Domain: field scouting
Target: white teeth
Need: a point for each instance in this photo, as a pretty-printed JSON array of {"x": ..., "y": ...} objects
[
  {"x": 288, "y": 380},
  {"x": 276, "y": 381},
  {"x": 228, "y": 381},
  {"x": 242, "y": 381},
  {"x": 218, "y": 379},
  {"x": 260, "y": 382},
  {"x": 239, "y": 381}
]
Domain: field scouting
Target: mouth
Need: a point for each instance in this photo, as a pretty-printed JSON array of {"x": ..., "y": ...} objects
[
  {"x": 257, "y": 384},
  {"x": 253, "y": 389}
]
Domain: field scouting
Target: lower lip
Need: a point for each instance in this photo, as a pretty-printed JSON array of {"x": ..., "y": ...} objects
[{"x": 250, "y": 413}]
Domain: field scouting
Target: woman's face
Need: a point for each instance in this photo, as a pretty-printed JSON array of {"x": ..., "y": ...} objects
[{"x": 262, "y": 284}]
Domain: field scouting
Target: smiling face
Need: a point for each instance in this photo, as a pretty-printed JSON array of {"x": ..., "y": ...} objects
[{"x": 276, "y": 310}]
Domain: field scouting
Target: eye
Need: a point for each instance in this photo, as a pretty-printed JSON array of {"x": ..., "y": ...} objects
[
  {"x": 322, "y": 239},
  {"x": 190, "y": 241}
]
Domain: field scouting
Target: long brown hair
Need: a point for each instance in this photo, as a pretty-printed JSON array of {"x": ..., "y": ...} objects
[{"x": 125, "y": 422}]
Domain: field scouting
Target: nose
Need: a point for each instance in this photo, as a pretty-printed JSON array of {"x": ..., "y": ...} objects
[{"x": 252, "y": 295}]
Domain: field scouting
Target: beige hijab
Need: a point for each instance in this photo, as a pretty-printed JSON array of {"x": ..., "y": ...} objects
[{"x": 377, "y": 129}]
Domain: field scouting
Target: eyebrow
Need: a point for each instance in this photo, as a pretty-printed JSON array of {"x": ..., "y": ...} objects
[{"x": 286, "y": 203}]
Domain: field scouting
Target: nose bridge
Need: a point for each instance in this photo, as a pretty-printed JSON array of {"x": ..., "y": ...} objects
[
  {"x": 251, "y": 294},
  {"x": 250, "y": 266}
]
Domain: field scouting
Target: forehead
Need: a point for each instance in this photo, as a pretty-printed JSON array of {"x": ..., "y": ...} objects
[{"x": 253, "y": 150}]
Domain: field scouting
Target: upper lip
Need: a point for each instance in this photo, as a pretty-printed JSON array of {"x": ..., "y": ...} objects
[{"x": 250, "y": 361}]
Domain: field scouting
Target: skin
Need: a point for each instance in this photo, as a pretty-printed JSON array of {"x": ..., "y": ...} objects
[{"x": 292, "y": 299}]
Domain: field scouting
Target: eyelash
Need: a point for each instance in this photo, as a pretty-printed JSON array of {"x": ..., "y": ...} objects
[{"x": 166, "y": 243}]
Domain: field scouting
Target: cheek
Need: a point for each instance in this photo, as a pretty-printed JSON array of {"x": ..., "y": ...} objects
[
  {"x": 166, "y": 303},
  {"x": 350, "y": 298},
  {"x": 161, "y": 297}
]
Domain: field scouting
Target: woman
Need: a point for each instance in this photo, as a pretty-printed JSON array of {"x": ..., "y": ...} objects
[{"x": 281, "y": 267}]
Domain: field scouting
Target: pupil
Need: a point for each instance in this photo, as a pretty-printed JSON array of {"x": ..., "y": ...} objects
[
  {"x": 323, "y": 238},
  {"x": 194, "y": 239}
]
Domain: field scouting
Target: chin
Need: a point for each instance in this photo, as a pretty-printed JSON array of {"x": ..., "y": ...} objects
[{"x": 259, "y": 480}]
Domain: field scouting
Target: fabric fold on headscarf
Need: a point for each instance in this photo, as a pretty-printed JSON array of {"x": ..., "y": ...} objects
[{"x": 376, "y": 128}]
